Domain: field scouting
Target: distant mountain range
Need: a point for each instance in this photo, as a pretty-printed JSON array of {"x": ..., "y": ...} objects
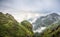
[
  {"x": 48, "y": 26},
  {"x": 45, "y": 21}
]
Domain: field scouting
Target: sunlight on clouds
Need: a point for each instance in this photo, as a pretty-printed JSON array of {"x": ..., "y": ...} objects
[
  {"x": 25, "y": 16},
  {"x": 16, "y": 6}
]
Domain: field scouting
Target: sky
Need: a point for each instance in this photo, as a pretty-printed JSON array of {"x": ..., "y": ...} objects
[{"x": 25, "y": 9}]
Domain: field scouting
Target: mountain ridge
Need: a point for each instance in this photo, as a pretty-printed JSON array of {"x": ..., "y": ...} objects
[
  {"x": 46, "y": 20},
  {"x": 9, "y": 27}
]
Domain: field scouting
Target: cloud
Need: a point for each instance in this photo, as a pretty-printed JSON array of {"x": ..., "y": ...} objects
[
  {"x": 20, "y": 8},
  {"x": 31, "y": 5}
]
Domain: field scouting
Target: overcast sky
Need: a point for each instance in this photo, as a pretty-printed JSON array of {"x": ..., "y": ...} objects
[{"x": 32, "y": 8}]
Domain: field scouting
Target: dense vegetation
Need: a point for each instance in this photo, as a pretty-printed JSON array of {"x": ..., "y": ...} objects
[{"x": 9, "y": 27}]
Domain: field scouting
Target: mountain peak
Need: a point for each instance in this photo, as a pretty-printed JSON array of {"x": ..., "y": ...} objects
[
  {"x": 47, "y": 20},
  {"x": 54, "y": 14}
]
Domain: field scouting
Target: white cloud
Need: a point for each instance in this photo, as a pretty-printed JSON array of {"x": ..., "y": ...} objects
[
  {"x": 22, "y": 15},
  {"x": 40, "y": 29},
  {"x": 27, "y": 7},
  {"x": 25, "y": 16},
  {"x": 32, "y": 5}
]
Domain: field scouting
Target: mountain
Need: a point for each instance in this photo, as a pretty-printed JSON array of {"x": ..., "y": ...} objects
[
  {"x": 47, "y": 20},
  {"x": 27, "y": 24},
  {"x": 9, "y": 27},
  {"x": 51, "y": 31}
]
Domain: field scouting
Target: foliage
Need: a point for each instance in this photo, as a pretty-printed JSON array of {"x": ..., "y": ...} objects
[{"x": 9, "y": 27}]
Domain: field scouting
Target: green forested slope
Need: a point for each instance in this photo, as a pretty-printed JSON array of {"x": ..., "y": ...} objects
[{"x": 9, "y": 27}]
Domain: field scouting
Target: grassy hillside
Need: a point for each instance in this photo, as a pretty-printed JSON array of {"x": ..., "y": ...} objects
[{"x": 9, "y": 27}]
